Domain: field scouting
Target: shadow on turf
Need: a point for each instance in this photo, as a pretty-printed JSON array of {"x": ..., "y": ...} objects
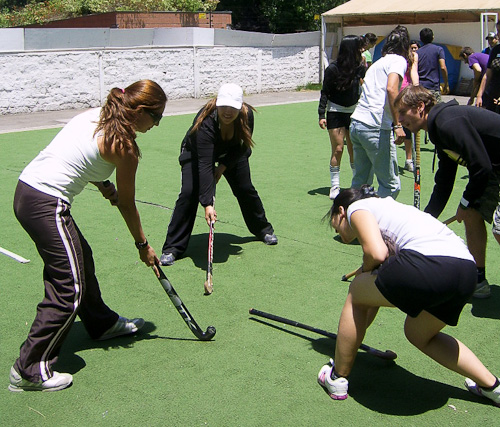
[
  {"x": 385, "y": 387},
  {"x": 78, "y": 340},
  {"x": 488, "y": 307},
  {"x": 323, "y": 191},
  {"x": 225, "y": 245}
]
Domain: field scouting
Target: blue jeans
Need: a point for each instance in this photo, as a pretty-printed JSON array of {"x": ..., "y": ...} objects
[{"x": 375, "y": 153}]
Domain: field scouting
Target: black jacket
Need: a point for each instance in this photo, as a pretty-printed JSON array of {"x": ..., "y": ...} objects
[
  {"x": 329, "y": 91},
  {"x": 206, "y": 147},
  {"x": 464, "y": 135}
]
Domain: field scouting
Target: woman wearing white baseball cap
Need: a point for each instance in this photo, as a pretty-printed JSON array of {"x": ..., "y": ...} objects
[{"x": 219, "y": 142}]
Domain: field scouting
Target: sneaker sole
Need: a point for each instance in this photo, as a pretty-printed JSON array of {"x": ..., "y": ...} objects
[{"x": 17, "y": 389}]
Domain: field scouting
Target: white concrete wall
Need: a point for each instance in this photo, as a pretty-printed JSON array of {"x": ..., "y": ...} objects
[{"x": 58, "y": 80}]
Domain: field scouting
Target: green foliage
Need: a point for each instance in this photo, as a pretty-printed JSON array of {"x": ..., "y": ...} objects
[
  {"x": 14, "y": 14},
  {"x": 288, "y": 16},
  {"x": 278, "y": 16}
]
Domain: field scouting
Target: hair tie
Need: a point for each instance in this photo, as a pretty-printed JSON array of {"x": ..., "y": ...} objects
[{"x": 123, "y": 90}]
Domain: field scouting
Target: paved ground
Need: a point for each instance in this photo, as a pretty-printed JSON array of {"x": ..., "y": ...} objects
[{"x": 55, "y": 119}]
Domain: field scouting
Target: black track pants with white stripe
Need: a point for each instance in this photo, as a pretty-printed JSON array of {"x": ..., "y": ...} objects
[{"x": 71, "y": 287}]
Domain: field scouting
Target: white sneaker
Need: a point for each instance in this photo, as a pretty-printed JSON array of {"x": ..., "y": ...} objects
[
  {"x": 57, "y": 382},
  {"x": 409, "y": 165},
  {"x": 337, "y": 388},
  {"x": 123, "y": 326},
  {"x": 334, "y": 192},
  {"x": 482, "y": 290},
  {"x": 493, "y": 395}
]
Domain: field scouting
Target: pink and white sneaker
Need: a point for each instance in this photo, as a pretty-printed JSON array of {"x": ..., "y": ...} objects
[{"x": 337, "y": 388}]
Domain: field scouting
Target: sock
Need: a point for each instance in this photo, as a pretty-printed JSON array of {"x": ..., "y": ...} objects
[
  {"x": 497, "y": 383},
  {"x": 481, "y": 274},
  {"x": 335, "y": 176},
  {"x": 334, "y": 375}
]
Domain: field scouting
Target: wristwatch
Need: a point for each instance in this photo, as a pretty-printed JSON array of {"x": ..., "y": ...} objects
[{"x": 141, "y": 245}]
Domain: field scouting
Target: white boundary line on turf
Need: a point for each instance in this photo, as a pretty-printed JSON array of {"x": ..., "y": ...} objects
[{"x": 12, "y": 255}]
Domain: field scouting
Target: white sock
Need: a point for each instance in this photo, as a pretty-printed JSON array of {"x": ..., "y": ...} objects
[{"x": 335, "y": 176}]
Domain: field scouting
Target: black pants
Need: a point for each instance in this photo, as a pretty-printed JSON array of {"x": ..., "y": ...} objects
[
  {"x": 71, "y": 287},
  {"x": 182, "y": 220}
]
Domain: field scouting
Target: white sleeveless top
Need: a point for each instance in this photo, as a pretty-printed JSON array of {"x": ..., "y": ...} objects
[
  {"x": 70, "y": 161},
  {"x": 405, "y": 227}
]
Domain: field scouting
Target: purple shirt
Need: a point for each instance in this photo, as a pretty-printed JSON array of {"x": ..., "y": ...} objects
[{"x": 481, "y": 59}]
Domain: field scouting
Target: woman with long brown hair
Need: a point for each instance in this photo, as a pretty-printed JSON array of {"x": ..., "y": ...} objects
[
  {"x": 218, "y": 143},
  {"x": 89, "y": 148}
]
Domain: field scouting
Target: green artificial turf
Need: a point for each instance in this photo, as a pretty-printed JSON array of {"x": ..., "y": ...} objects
[{"x": 255, "y": 372}]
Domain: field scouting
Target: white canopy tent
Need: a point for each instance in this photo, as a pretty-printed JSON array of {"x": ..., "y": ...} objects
[{"x": 461, "y": 22}]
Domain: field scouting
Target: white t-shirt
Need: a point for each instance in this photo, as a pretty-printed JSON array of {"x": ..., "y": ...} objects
[
  {"x": 70, "y": 161},
  {"x": 405, "y": 227},
  {"x": 373, "y": 108}
]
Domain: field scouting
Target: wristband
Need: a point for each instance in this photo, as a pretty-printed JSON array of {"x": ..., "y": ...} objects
[
  {"x": 397, "y": 127},
  {"x": 141, "y": 245}
]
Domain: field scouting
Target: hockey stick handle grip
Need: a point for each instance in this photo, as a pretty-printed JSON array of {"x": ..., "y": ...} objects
[{"x": 450, "y": 220}]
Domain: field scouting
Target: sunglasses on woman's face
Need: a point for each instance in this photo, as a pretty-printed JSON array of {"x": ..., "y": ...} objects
[{"x": 156, "y": 117}]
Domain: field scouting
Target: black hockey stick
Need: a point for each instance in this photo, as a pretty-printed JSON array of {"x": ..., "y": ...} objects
[
  {"x": 183, "y": 311},
  {"x": 388, "y": 354},
  {"x": 416, "y": 190}
]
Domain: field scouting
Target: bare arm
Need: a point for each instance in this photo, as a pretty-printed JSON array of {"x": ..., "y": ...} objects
[
  {"x": 126, "y": 167},
  {"x": 477, "y": 82},
  {"x": 392, "y": 92},
  {"x": 444, "y": 72},
  {"x": 366, "y": 228},
  {"x": 414, "y": 70},
  {"x": 479, "y": 97}
]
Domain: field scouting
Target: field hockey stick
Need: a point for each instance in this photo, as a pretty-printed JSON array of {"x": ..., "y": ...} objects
[
  {"x": 388, "y": 354},
  {"x": 12, "y": 255},
  {"x": 347, "y": 276},
  {"x": 209, "y": 283},
  {"x": 450, "y": 220},
  {"x": 416, "y": 189},
  {"x": 183, "y": 311}
]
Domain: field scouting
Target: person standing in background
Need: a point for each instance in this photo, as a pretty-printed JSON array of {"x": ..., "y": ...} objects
[
  {"x": 339, "y": 95},
  {"x": 369, "y": 41},
  {"x": 372, "y": 121},
  {"x": 431, "y": 61},
  {"x": 492, "y": 39},
  {"x": 478, "y": 63}
]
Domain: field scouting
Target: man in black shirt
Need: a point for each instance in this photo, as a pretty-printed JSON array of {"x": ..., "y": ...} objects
[{"x": 467, "y": 136}]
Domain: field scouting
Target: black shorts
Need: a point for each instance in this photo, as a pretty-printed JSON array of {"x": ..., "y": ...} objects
[
  {"x": 407, "y": 133},
  {"x": 439, "y": 285},
  {"x": 335, "y": 120}
]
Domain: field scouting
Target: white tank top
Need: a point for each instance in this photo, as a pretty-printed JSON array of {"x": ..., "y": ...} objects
[{"x": 70, "y": 161}]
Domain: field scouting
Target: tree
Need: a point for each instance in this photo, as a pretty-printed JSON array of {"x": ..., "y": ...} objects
[{"x": 278, "y": 16}]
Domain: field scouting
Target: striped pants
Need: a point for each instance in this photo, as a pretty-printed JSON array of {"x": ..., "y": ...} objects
[{"x": 71, "y": 287}]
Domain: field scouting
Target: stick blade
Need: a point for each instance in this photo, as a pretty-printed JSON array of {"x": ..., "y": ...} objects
[{"x": 209, "y": 287}]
